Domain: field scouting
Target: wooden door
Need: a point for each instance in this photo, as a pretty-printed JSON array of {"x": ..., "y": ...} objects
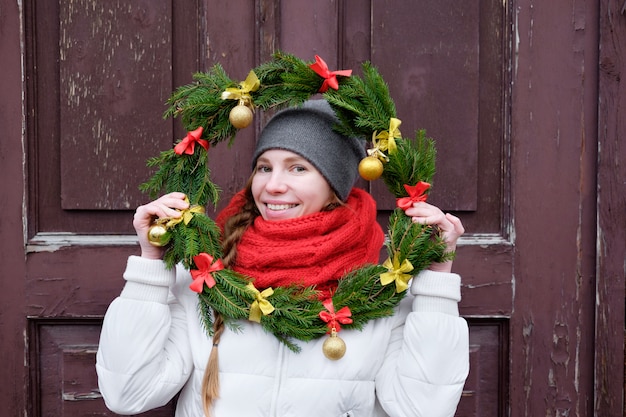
[
  {"x": 98, "y": 75},
  {"x": 515, "y": 120}
]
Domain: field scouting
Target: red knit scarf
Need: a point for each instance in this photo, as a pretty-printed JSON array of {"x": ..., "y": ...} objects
[{"x": 315, "y": 249}]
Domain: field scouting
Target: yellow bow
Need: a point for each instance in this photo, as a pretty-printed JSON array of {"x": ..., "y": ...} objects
[
  {"x": 186, "y": 216},
  {"x": 385, "y": 140},
  {"x": 242, "y": 93},
  {"x": 260, "y": 305},
  {"x": 397, "y": 273}
]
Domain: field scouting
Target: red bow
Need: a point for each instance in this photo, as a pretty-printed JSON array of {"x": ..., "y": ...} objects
[
  {"x": 188, "y": 144},
  {"x": 204, "y": 273},
  {"x": 416, "y": 192},
  {"x": 330, "y": 77},
  {"x": 333, "y": 319}
]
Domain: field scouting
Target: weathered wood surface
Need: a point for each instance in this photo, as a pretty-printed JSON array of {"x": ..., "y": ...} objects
[
  {"x": 611, "y": 240},
  {"x": 554, "y": 152},
  {"x": 543, "y": 261},
  {"x": 12, "y": 266}
]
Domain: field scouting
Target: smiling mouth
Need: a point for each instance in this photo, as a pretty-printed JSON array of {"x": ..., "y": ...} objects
[{"x": 278, "y": 207}]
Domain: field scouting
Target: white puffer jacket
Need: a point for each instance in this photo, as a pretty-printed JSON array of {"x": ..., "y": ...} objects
[{"x": 153, "y": 345}]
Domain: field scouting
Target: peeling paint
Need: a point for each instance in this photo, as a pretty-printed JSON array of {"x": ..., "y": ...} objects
[
  {"x": 53, "y": 242},
  {"x": 528, "y": 360}
]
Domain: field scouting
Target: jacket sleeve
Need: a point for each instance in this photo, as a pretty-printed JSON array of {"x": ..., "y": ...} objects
[
  {"x": 427, "y": 360},
  {"x": 144, "y": 357}
]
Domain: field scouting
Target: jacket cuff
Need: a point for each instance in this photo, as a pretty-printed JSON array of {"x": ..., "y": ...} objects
[
  {"x": 437, "y": 292},
  {"x": 147, "y": 280}
]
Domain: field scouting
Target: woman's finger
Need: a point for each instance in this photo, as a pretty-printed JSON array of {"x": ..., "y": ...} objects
[{"x": 168, "y": 205}]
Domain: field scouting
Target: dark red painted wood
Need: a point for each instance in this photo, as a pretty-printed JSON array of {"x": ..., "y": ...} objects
[
  {"x": 430, "y": 52},
  {"x": 12, "y": 268},
  {"x": 90, "y": 149},
  {"x": 65, "y": 385},
  {"x": 609, "y": 381},
  {"x": 115, "y": 74},
  {"x": 97, "y": 79},
  {"x": 554, "y": 151},
  {"x": 543, "y": 283}
]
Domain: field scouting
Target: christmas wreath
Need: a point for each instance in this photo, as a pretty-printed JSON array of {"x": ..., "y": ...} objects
[{"x": 213, "y": 109}]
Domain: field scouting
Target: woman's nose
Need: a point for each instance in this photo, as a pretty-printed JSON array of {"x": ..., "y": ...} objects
[{"x": 276, "y": 182}]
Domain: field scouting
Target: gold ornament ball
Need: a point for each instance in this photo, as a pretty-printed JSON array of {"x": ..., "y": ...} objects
[
  {"x": 370, "y": 168},
  {"x": 240, "y": 116},
  {"x": 334, "y": 347},
  {"x": 158, "y": 235}
]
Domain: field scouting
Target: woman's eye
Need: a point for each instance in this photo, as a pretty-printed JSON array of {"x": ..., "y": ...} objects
[
  {"x": 263, "y": 168},
  {"x": 299, "y": 168}
]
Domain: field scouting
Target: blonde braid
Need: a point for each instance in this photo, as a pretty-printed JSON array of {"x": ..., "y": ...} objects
[{"x": 234, "y": 229}]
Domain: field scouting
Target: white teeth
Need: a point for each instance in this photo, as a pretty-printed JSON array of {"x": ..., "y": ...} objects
[{"x": 280, "y": 206}]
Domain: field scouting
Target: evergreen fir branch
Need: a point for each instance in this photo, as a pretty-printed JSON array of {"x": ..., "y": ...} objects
[
  {"x": 285, "y": 81},
  {"x": 206, "y": 313},
  {"x": 209, "y": 235},
  {"x": 272, "y": 71},
  {"x": 188, "y": 174},
  {"x": 229, "y": 295},
  {"x": 237, "y": 284},
  {"x": 299, "y": 314},
  {"x": 413, "y": 162},
  {"x": 297, "y": 329},
  {"x": 414, "y": 242},
  {"x": 200, "y": 104},
  {"x": 202, "y": 96},
  {"x": 362, "y": 105},
  {"x": 157, "y": 183},
  {"x": 376, "y": 83},
  {"x": 287, "y": 342},
  {"x": 175, "y": 251},
  {"x": 192, "y": 246},
  {"x": 366, "y": 297},
  {"x": 295, "y": 313},
  {"x": 301, "y": 323}
]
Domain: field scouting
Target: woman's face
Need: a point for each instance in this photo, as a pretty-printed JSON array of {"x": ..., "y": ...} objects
[{"x": 286, "y": 186}]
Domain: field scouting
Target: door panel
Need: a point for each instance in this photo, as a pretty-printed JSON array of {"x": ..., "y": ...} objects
[
  {"x": 112, "y": 85},
  {"x": 64, "y": 358},
  {"x": 98, "y": 75},
  {"x": 488, "y": 362},
  {"x": 431, "y": 61}
]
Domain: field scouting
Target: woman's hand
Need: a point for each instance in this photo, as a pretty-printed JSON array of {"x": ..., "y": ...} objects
[
  {"x": 165, "y": 206},
  {"x": 450, "y": 228}
]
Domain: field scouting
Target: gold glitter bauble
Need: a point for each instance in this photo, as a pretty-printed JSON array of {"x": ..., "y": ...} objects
[
  {"x": 158, "y": 235},
  {"x": 240, "y": 116},
  {"x": 334, "y": 347},
  {"x": 370, "y": 168}
]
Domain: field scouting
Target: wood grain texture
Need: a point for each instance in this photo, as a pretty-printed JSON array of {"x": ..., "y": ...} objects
[{"x": 611, "y": 235}]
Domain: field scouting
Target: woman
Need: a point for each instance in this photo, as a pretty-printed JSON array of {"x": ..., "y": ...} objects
[{"x": 299, "y": 221}]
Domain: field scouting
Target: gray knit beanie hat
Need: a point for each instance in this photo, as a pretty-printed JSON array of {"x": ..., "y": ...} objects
[{"x": 308, "y": 131}]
